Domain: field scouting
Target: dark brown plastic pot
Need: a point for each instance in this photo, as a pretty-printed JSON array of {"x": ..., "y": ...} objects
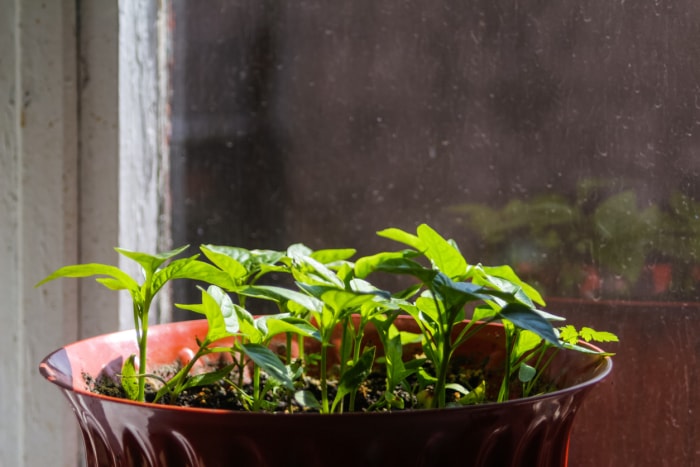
[{"x": 530, "y": 432}]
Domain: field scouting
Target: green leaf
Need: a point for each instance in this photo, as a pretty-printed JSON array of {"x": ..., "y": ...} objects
[
  {"x": 475, "y": 396},
  {"x": 444, "y": 255},
  {"x": 275, "y": 325},
  {"x": 396, "y": 370},
  {"x": 333, "y": 255},
  {"x": 571, "y": 336},
  {"x": 248, "y": 327},
  {"x": 484, "y": 313},
  {"x": 111, "y": 283},
  {"x": 94, "y": 269},
  {"x": 337, "y": 299},
  {"x": 425, "y": 378},
  {"x": 587, "y": 350},
  {"x": 205, "y": 379},
  {"x": 589, "y": 334},
  {"x": 307, "y": 399},
  {"x": 270, "y": 363},
  {"x": 241, "y": 263},
  {"x": 193, "y": 269},
  {"x": 526, "y": 373},
  {"x": 226, "y": 262},
  {"x": 307, "y": 264},
  {"x": 457, "y": 294},
  {"x": 221, "y": 314},
  {"x": 394, "y": 263},
  {"x": 527, "y": 341},
  {"x": 568, "y": 334},
  {"x": 282, "y": 295},
  {"x": 425, "y": 311},
  {"x": 457, "y": 388},
  {"x": 130, "y": 380},
  {"x": 403, "y": 237},
  {"x": 354, "y": 376},
  {"x": 150, "y": 263},
  {"x": 527, "y": 318},
  {"x": 496, "y": 275},
  {"x": 265, "y": 258},
  {"x": 217, "y": 307}
]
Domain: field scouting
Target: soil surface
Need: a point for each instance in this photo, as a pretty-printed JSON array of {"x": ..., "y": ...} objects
[{"x": 226, "y": 394}]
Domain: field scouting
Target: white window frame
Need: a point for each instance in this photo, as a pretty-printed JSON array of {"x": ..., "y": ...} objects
[{"x": 83, "y": 169}]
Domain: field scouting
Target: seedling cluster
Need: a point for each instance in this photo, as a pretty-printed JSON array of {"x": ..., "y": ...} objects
[{"x": 449, "y": 299}]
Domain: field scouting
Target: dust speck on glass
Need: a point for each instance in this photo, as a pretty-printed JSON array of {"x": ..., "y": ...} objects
[{"x": 560, "y": 137}]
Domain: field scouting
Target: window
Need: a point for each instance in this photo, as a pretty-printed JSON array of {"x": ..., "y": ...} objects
[{"x": 561, "y": 137}]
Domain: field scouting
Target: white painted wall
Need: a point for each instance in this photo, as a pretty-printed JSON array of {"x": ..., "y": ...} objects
[
  {"x": 38, "y": 224},
  {"x": 81, "y": 140}
]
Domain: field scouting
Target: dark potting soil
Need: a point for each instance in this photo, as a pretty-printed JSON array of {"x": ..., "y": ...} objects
[{"x": 225, "y": 394}]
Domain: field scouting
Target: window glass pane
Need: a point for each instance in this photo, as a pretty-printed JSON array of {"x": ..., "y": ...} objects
[{"x": 560, "y": 137}]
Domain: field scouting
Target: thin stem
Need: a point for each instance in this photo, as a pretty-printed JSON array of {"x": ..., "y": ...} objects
[
  {"x": 504, "y": 392},
  {"x": 439, "y": 401},
  {"x": 300, "y": 347},
  {"x": 143, "y": 346},
  {"x": 540, "y": 370},
  {"x": 356, "y": 356},
  {"x": 324, "y": 380},
  {"x": 288, "y": 355},
  {"x": 179, "y": 380},
  {"x": 256, "y": 388}
]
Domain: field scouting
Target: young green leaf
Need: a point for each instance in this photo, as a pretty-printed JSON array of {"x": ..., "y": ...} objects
[
  {"x": 333, "y": 255},
  {"x": 526, "y": 373},
  {"x": 568, "y": 334},
  {"x": 442, "y": 253},
  {"x": 527, "y": 318},
  {"x": 589, "y": 334},
  {"x": 282, "y": 295},
  {"x": 227, "y": 263},
  {"x": 272, "y": 325},
  {"x": 270, "y": 363},
  {"x": 205, "y": 379},
  {"x": 527, "y": 341},
  {"x": 307, "y": 400},
  {"x": 192, "y": 268},
  {"x": 94, "y": 269},
  {"x": 130, "y": 379},
  {"x": 403, "y": 237},
  {"x": 308, "y": 267},
  {"x": 219, "y": 310},
  {"x": 506, "y": 273},
  {"x": 475, "y": 396},
  {"x": 354, "y": 376},
  {"x": 394, "y": 263},
  {"x": 150, "y": 263}
]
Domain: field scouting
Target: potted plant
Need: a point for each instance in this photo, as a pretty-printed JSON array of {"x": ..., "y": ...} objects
[
  {"x": 596, "y": 243},
  {"x": 459, "y": 367}
]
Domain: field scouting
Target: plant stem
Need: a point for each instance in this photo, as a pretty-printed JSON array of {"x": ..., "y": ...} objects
[
  {"x": 288, "y": 356},
  {"x": 356, "y": 356},
  {"x": 439, "y": 399},
  {"x": 143, "y": 348},
  {"x": 540, "y": 369},
  {"x": 504, "y": 392},
  {"x": 324, "y": 380},
  {"x": 256, "y": 388}
]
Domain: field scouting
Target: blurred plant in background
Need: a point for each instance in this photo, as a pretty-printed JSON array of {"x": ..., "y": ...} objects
[{"x": 601, "y": 242}]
